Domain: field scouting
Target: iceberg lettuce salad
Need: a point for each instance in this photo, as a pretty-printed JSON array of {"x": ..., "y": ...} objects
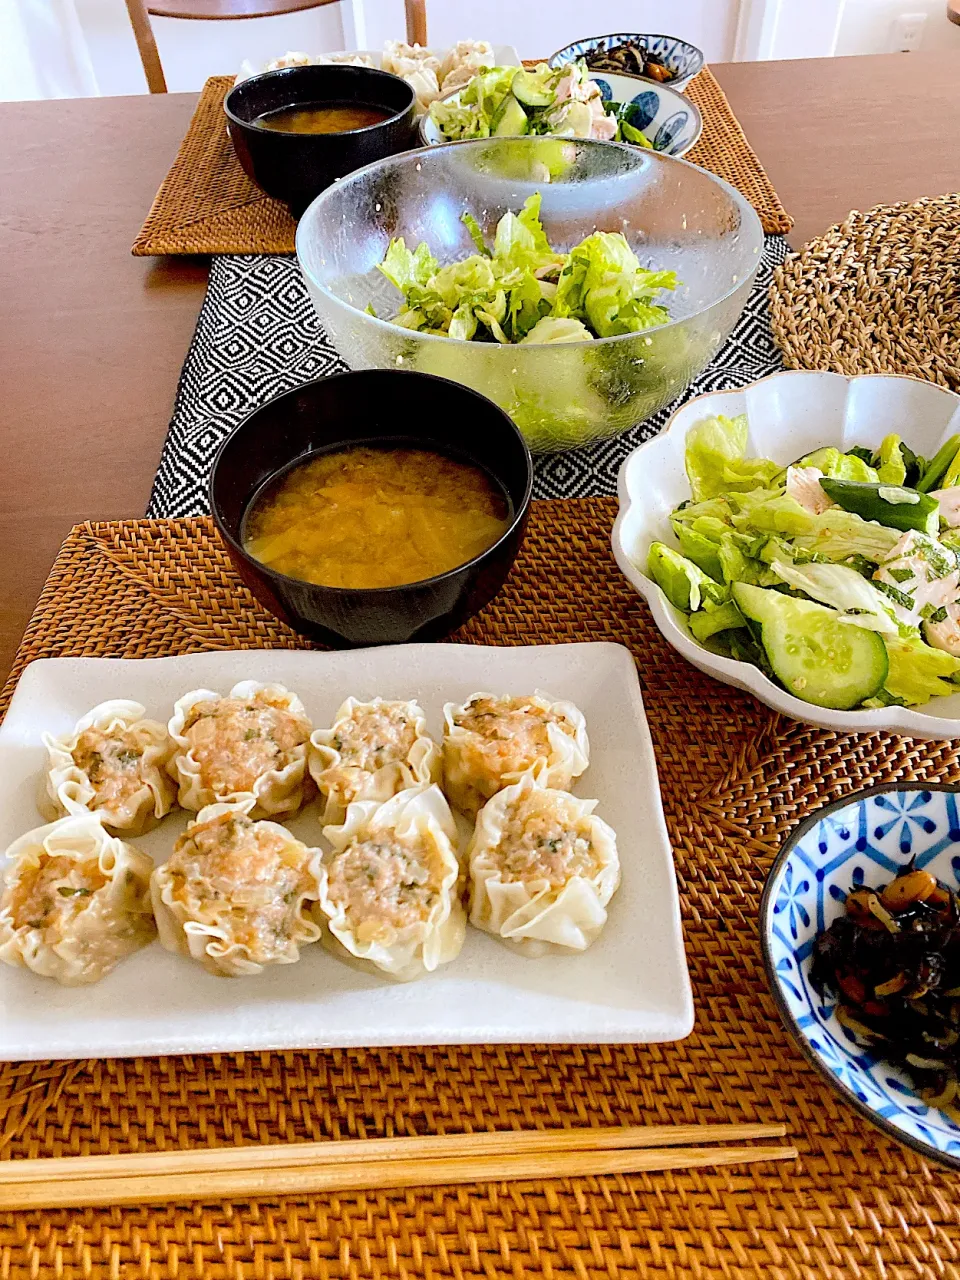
[
  {"x": 520, "y": 290},
  {"x": 838, "y": 575}
]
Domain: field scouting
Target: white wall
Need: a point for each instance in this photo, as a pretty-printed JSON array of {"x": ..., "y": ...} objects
[
  {"x": 192, "y": 51},
  {"x": 43, "y": 53},
  {"x": 537, "y": 27},
  {"x": 787, "y": 29},
  {"x": 866, "y": 26}
]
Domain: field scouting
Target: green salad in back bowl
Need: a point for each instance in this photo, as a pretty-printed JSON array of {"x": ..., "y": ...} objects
[
  {"x": 564, "y": 101},
  {"x": 580, "y": 285}
]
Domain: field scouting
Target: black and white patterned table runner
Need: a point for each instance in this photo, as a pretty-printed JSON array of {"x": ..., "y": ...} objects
[{"x": 258, "y": 335}]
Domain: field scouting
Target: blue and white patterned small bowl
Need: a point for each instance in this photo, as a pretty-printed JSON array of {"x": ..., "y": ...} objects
[
  {"x": 684, "y": 59},
  {"x": 670, "y": 121},
  {"x": 865, "y": 840}
]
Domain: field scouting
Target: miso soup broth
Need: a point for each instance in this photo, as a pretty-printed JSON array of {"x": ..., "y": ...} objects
[
  {"x": 323, "y": 117},
  {"x": 373, "y": 516}
]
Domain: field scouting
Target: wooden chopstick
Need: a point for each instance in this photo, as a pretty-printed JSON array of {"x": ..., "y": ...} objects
[
  {"x": 213, "y": 1160},
  {"x": 367, "y": 1175}
]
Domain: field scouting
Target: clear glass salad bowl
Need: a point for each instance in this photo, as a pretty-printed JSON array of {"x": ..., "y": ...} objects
[{"x": 561, "y": 395}]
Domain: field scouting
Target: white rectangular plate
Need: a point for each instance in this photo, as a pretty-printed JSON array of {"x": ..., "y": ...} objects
[{"x": 632, "y": 985}]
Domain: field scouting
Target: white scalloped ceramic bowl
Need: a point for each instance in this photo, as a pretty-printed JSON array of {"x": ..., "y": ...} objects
[{"x": 789, "y": 414}]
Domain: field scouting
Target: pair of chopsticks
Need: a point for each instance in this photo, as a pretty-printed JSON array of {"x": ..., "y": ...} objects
[{"x": 369, "y": 1164}]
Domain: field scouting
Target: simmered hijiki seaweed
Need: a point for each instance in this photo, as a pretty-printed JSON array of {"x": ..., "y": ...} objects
[
  {"x": 893, "y": 959},
  {"x": 630, "y": 57}
]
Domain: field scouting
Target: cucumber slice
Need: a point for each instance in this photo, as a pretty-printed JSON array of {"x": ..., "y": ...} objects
[
  {"x": 511, "y": 119},
  {"x": 527, "y": 88},
  {"x": 815, "y": 657}
]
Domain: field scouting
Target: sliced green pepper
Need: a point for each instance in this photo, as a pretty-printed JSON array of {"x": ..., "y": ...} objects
[
  {"x": 889, "y": 505},
  {"x": 938, "y": 465},
  {"x": 951, "y": 476}
]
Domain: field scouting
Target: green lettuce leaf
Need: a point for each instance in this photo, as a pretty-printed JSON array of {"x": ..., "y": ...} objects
[
  {"x": 714, "y": 618},
  {"x": 737, "y": 566},
  {"x": 457, "y": 120},
  {"x": 684, "y": 584},
  {"x": 526, "y": 304},
  {"x": 520, "y": 240},
  {"x": 463, "y": 323},
  {"x": 715, "y": 462},
  {"x": 834, "y": 534},
  {"x": 839, "y": 466},
  {"x": 703, "y": 551},
  {"x": 486, "y": 91},
  {"x": 918, "y": 672},
  {"x": 529, "y": 219},
  {"x": 844, "y": 590},
  {"x": 719, "y": 510},
  {"x": 604, "y": 285},
  {"x": 555, "y": 329},
  {"x": 891, "y": 465},
  {"x": 476, "y": 233},
  {"x": 405, "y": 268},
  {"x": 473, "y": 276}
]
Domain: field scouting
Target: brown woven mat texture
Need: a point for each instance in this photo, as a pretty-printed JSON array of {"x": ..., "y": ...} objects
[
  {"x": 207, "y": 204},
  {"x": 878, "y": 293},
  {"x": 735, "y": 778}
]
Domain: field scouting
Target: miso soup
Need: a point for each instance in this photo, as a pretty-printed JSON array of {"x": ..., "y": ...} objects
[
  {"x": 372, "y": 516},
  {"x": 323, "y": 117}
]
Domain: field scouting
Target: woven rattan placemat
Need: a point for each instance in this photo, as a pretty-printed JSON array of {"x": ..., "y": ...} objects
[
  {"x": 879, "y": 293},
  {"x": 734, "y": 777},
  {"x": 207, "y": 204}
]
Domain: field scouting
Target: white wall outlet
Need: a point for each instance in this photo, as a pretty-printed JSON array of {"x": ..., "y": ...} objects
[{"x": 906, "y": 32}]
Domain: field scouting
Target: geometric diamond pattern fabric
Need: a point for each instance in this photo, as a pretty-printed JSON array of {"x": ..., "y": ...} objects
[{"x": 258, "y": 335}]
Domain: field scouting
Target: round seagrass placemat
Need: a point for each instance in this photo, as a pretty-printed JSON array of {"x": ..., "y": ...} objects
[
  {"x": 879, "y": 293},
  {"x": 735, "y": 778}
]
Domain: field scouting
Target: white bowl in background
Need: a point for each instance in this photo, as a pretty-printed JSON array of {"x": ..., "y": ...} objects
[{"x": 789, "y": 414}]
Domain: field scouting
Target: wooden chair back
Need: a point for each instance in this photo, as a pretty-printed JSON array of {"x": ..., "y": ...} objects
[{"x": 140, "y": 12}]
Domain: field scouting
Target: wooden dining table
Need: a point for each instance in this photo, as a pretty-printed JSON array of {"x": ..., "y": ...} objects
[{"x": 92, "y": 339}]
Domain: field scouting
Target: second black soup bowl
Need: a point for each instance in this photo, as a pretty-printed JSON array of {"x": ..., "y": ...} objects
[
  {"x": 296, "y": 167},
  {"x": 376, "y": 406}
]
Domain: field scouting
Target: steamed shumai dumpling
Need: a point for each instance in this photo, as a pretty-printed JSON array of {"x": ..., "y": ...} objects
[
  {"x": 372, "y": 751},
  {"x": 113, "y": 763},
  {"x": 252, "y": 743},
  {"x": 390, "y": 897},
  {"x": 235, "y": 894},
  {"x": 74, "y": 901},
  {"x": 468, "y": 54},
  {"x": 542, "y": 868},
  {"x": 490, "y": 741}
]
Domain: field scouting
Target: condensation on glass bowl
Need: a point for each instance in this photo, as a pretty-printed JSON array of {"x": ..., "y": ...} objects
[{"x": 674, "y": 215}]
